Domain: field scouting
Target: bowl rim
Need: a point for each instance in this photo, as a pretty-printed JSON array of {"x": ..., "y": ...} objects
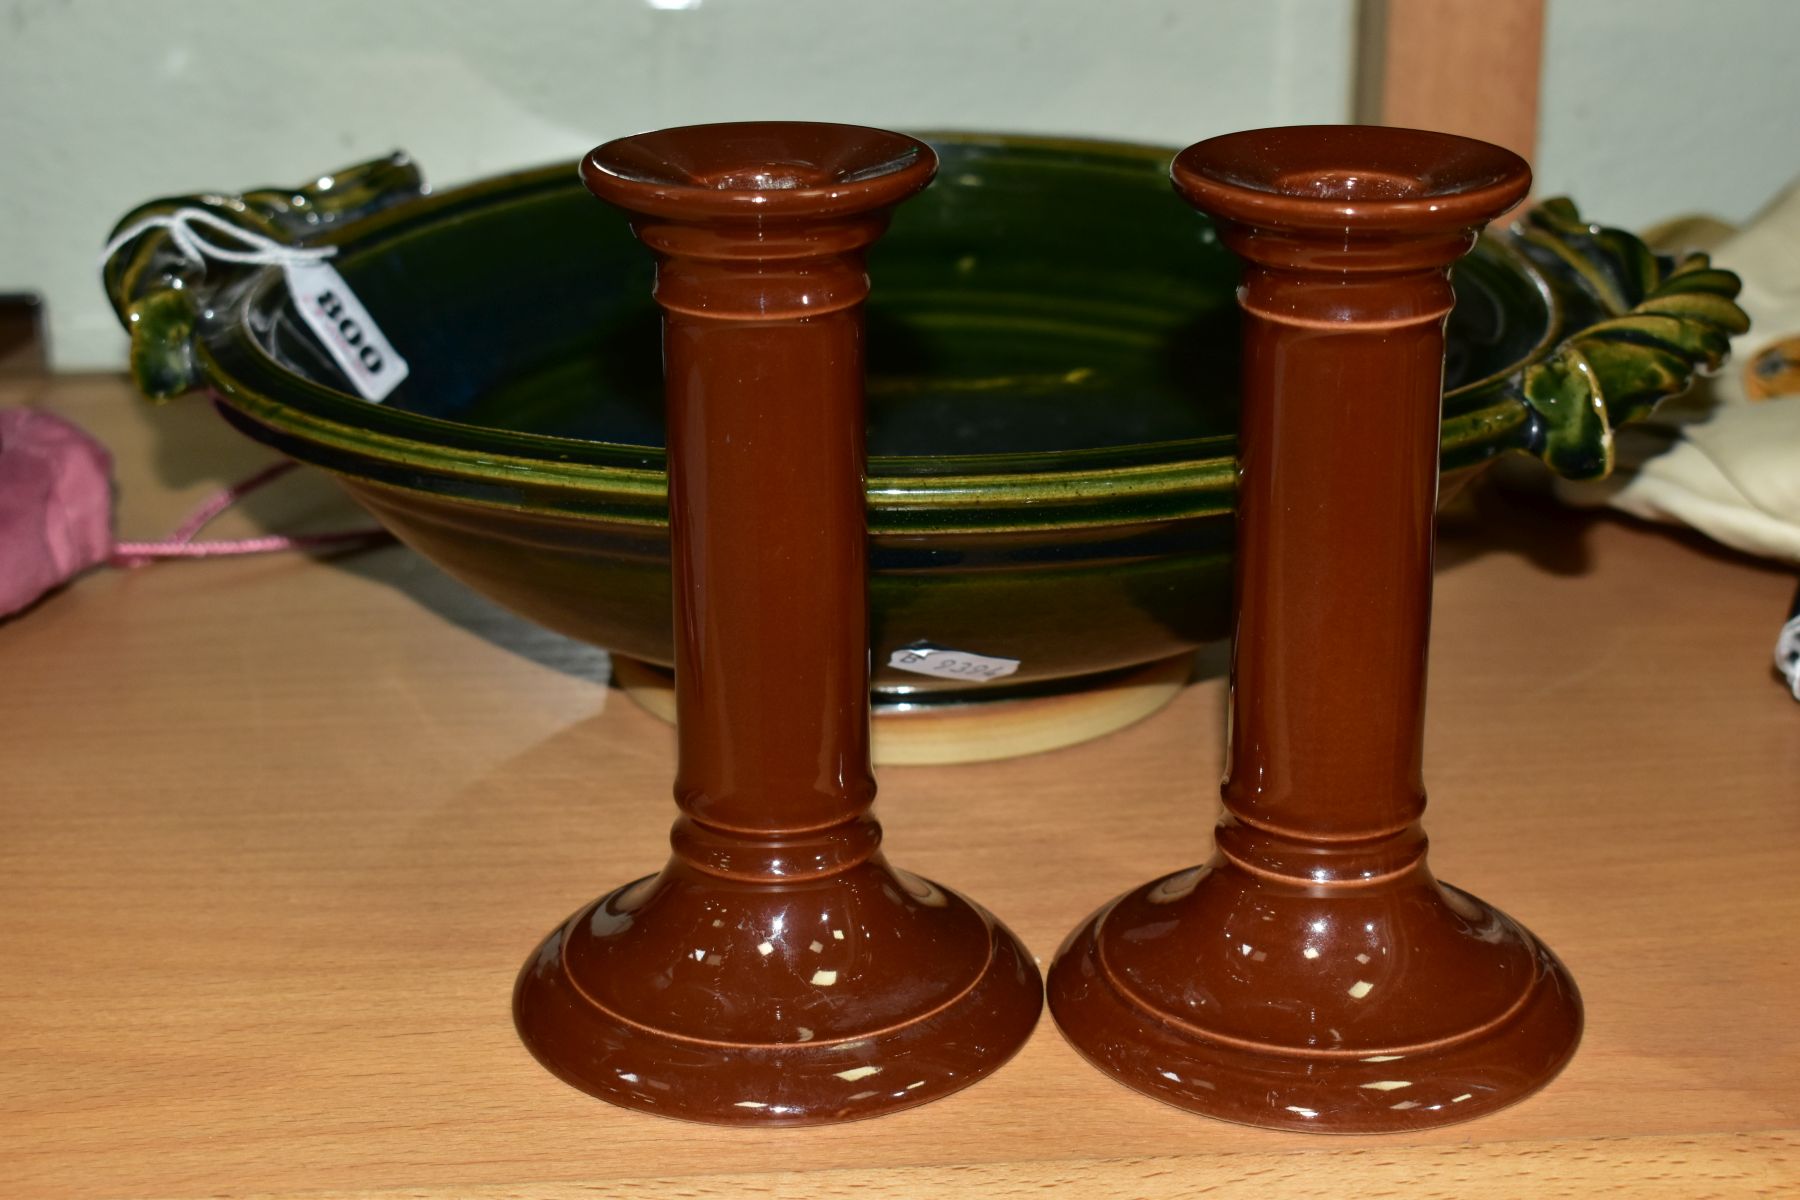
[{"x": 1112, "y": 485}]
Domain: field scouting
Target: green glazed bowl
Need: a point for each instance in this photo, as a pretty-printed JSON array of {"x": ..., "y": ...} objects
[{"x": 1052, "y": 343}]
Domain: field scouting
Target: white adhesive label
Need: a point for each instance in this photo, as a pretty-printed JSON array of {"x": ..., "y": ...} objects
[
  {"x": 346, "y": 330},
  {"x": 1787, "y": 654},
  {"x": 952, "y": 664}
]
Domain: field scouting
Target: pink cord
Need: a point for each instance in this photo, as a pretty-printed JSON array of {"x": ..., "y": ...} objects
[{"x": 181, "y": 543}]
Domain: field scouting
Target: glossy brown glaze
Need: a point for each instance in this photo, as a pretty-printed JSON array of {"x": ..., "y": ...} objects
[
  {"x": 778, "y": 970},
  {"x": 1314, "y": 975}
]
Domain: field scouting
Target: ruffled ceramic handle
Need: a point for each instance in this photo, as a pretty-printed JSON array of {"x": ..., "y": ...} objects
[
  {"x": 159, "y": 291},
  {"x": 1635, "y": 328}
]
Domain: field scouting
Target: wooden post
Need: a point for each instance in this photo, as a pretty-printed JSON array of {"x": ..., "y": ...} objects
[{"x": 1460, "y": 66}]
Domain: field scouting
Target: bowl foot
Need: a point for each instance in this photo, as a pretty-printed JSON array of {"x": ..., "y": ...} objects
[{"x": 974, "y": 726}]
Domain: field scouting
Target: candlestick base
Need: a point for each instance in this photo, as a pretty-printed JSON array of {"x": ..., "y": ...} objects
[
  {"x": 696, "y": 996},
  {"x": 1394, "y": 1006}
]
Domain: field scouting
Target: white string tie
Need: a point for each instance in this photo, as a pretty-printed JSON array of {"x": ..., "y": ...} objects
[{"x": 186, "y": 226}]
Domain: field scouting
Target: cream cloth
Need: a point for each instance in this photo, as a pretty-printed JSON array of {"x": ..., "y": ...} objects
[{"x": 1724, "y": 458}]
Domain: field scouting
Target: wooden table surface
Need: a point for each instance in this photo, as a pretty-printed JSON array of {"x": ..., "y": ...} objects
[{"x": 276, "y": 834}]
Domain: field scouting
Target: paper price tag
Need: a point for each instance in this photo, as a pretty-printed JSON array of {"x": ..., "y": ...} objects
[
  {"x": 952, "y": 664},
  {"x": 346, "y": 330}
]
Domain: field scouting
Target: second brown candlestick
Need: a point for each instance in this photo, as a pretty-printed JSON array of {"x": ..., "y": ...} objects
[{"x": 1314, "y": 975}]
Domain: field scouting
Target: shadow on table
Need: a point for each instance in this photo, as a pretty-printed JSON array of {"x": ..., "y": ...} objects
[
  {"x": 406, "y": 571},
  {"x": 1491, "y": 516}
]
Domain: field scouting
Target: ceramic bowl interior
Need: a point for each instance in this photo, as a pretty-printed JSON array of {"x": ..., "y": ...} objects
[{"x": 1038, "y": 299}]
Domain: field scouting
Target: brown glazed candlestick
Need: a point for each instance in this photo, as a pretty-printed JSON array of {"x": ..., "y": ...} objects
[
  {"x": 1313, "y": 975},
  {"x": 778, "y": 970}
]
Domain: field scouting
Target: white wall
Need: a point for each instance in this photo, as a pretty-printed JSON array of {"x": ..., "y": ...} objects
[
  {"x": 1654, "y": 108},
  {"x": 106, "y": 103},
  {"x": 1650, "y": 107}
]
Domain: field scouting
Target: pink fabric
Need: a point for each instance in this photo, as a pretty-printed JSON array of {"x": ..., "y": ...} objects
[
  {"x": 56, "y": 512},
  {"x": 55, "y": 504}
]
